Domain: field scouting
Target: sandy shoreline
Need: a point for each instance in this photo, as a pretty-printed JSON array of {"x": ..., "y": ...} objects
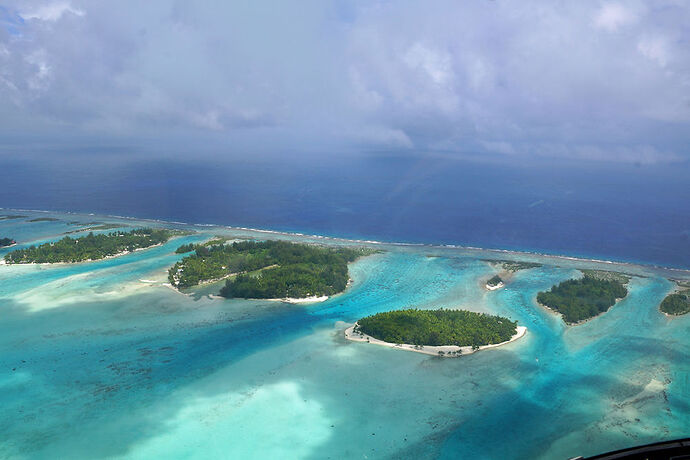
[
  {"x": 560, "y": 315},
  {"x": 677, "y": 288},
  {"x": 493, "y": 288},
  {"x": 305, "y": 300},
  {"x": 446, "y": 351},
  {"x": 312, "y": 299}
]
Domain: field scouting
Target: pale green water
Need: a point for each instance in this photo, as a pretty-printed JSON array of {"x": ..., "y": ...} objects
[{"x": 95, "y": 363}]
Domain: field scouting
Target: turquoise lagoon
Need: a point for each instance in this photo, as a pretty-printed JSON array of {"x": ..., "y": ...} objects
[{"x": 96, "y": 363}]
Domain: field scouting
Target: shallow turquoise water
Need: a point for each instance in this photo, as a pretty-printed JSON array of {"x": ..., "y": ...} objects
[{"x": 96, "y": 363}]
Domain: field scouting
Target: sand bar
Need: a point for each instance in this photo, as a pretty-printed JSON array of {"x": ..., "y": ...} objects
[{"x": 312, "y": 299}]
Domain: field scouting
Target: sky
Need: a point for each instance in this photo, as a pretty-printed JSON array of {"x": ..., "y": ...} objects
[{"x": 587, "y": 80}]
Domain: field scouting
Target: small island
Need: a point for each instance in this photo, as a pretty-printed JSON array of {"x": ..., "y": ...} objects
[
  {"x": 44, "y": 219},
  {"x": 494, "y": 283},
  {"x": 677, "y": 303},
  {"x": 89, "y": 247},
  {"x": 442, "y": 332},
  {"x": 578, "y": 300},
  {"x": 507, "y": 269},
  {"x": 266, "y": 269},
  {"x": 512, "y": 266},
  {"x": 96, "y": 227},
  {"x": 7, "y": 242}
]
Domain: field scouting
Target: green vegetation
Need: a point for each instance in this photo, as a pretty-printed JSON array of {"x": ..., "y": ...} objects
[
  {"x": 298, "y": 280},
  {"x": 513, "y": 266},
  {"x": 677, "y": 303},
  {"x": 606, "y": 275},
  {"x": 76, "y": 222},
  {"x": 193, "y": 247},
  {"x": 6, "y": 242},
  {"x": 215, "y": 241},
  {"x": 90, "y": 247},
  {"x": 11, "y": 216},
  {"x": 44, "y": 219},
  {"x": 186, "y": 248},
  {"x": 438, "y": 327},
  {"x": 97, "y": 227},
  {"x": 267, "y": 269},
  {"x": 580, "y": 299},
  {"x": 494, "y": 281}
]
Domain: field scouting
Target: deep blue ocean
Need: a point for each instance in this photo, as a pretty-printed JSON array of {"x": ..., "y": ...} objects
[{"x": 608, "y": 211}]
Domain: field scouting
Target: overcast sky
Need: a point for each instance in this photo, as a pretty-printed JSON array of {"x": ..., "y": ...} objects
[{"x": 592, "y": 80}]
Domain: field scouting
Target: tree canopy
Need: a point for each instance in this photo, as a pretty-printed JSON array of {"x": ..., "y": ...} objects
[
  {"x": 580, "y": 299},
  {"x": 44, "y": 219},
  {"x": 512, "y": 265},
  {"x": 266, "y": 269},
  {"x": 438, "y": 327},
  {"x": 677, "y": 303},
  {"x": 6, "y": 242},
  {"x": 89, "y": 247},
  {"x": 494, "y": 281}
]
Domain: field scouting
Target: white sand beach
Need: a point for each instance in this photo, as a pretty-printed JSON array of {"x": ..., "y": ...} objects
[
  {"x": 446, "y": 351},
  {"x": 497, "y": 286},
  {"x": 312, "y": 299}
]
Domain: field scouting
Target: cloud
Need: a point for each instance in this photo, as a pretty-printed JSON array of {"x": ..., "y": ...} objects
[
  {"x": 49, "y": 11},
  {"x": 435, "y": 64},
  {"x": 502, "y": 147},
  {"x": 383, "y": 137},
  {"x": 491, "y": 77},
  {"x": 611, "y": 16},
  {"x": 40, "y": 77},
  {"x": 655, "y": 49},
  {"x": 639, "y": 154}
]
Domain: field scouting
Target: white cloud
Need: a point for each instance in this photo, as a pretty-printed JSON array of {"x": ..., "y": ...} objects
[
  {"x": 364, "y": 97},
  {"x": 655, "y": 49},
  {"x": 436, "y": 64},
  {"x": 612, "y": 16},
  {"x": 450, "y": 76},
  {"x": 381, "y": 136},
  {"x": 641, "y": 154},
  {"x": 479, "y": 74},
  {"x": 208, "y": 120},
  {"x": 40, "y": 78},
  {"x": 50, "y": 11}
]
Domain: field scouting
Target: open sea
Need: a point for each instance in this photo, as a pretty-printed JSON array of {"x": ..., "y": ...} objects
[
  {"x": 606, "y": 211},
  {"x": 102, "y": 360}
]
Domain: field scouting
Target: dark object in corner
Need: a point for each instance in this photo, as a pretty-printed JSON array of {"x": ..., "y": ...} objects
[{"x": 667, "y": 450}]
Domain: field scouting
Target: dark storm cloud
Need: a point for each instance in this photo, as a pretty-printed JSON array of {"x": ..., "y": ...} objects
[{"x": 591, "y": 80}]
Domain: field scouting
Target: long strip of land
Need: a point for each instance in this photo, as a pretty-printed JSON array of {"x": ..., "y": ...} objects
[{"x": 90, "y": 247}]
